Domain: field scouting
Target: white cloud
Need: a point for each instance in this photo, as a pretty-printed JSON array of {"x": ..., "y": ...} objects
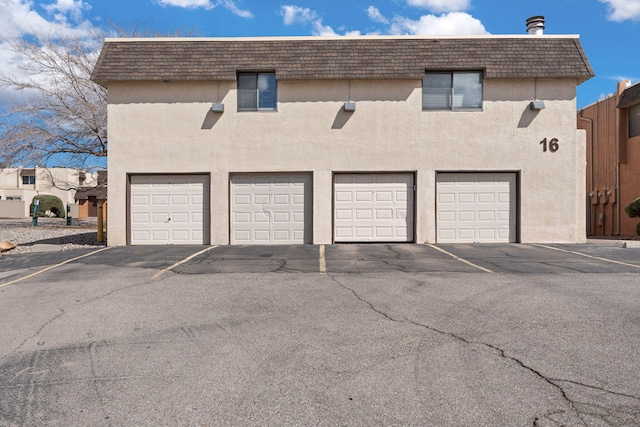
[
  {"x": 208, "y": 5},
  {"x": 73, "y": 7},
  {"x": 297, "y": 15},
  {"x": 375, "y": 15},
  {"x": 63, "y": 18},
  {"x": 231, "y": 5},
  {"x": 18, "y": 18},
  {"x": 454, "y": 23},
  {"x": 441, "y": 5},
  {"x": 292, "y": 14},
  {"x": 322, "y": 30},
  {"x": 188, "y": 4},
  {"x": 622, "y": 10}
]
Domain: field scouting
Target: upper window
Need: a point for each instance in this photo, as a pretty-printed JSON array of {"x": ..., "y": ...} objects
[
  {"x": 634, "y": 121},
  {"x": 257, "y": 91},
  {"x": 28, "y": 180},
  {"x": 452, "y": 90}
]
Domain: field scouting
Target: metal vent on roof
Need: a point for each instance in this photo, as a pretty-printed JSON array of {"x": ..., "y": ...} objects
[{"x": 535, "y": 25}]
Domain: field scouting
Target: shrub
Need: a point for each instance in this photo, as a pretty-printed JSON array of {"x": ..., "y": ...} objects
[
  {"x": 633, "y": 210},
  {"x": 49, "y": 203}
]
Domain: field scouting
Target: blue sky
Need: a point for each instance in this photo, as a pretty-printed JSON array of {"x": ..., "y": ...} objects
[{"x": 609, "y": 29}]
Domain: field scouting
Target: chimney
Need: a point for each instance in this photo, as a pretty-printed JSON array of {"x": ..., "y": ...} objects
[{"x": 535, "y": 25}]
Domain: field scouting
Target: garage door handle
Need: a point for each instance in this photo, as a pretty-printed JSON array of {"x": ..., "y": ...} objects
[{"x": 167, "y": 220}]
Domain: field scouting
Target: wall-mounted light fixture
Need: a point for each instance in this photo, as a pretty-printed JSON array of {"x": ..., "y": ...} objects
[
  {"x": 536, "y": 104},
  {"x": 349, "y": 106},
  {"x": 217, "y": 107}
]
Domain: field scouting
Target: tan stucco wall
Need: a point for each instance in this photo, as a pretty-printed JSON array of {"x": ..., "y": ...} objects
[{"x": 168, "y": 128}]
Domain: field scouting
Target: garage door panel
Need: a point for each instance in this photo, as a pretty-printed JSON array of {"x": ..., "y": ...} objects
[
  {"x": 282, "y": 217},
  {"x": 181, "y": 217},
  {"x": 484, "y": 216},
  {"x": 446, "y": 216},
  {"x": 343, "y": 233},
  {"x": 159, "y": 217},
  {"x": 487, "y": 233},
  {"x": 466, "y": 233},
  {"x": 384, "y": 214},
  {"x": 504, "y": 233},
  {"x": 373, "y": 207},
  {"x": 486, "y": 198},
  {"x": 476, "y": 207},
  {"x": 178, "y": 236},
  {"x": 168, "y": 209},
  {"x": 261, "y": 236},
  {"x": 504, "y": 215},
  {"x": 466, "y": 216},
  {"x": 159, "y": 200},
  {"x": 468, "y": 198},
  {"x": 384, "y": 196},
  {"x": 259, "y": 217},
  {"x": 344, "y": 214},
  {"x": 271, "y": 208},
  {"x": 141, "y": 235},
  {"x": 160, "y": 235},
  {"x": 446, "y": 198}
]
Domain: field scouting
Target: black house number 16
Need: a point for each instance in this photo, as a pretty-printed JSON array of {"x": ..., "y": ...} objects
[{"x": 552, "y": 145}]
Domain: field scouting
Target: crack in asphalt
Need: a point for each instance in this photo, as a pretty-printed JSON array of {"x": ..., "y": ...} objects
[
  {"x": 397, "y": 253},
  {"x": 44, "y": 325},
  {"x": 398, "y": 267},
  {"x": 284, "y": 268},
  {"x": 94, "y": 375},
  {"x": 502, "y": 353},
  {"x": 63, "y": 312}
]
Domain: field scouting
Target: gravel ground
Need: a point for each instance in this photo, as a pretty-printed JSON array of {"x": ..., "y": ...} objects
[{"x": 80, "y": 234}]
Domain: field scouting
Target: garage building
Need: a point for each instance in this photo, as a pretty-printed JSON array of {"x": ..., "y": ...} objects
[{"x": 319, "y": 140}]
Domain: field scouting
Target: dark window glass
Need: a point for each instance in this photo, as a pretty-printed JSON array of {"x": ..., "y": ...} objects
[
  {"x": 257, "y": 91},
  {"x": 634, "y": 121},
  {"x": 452, "y": 90}
]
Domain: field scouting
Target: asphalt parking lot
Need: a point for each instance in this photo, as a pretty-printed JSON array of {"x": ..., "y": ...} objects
[
  {"x": 354, "y": 259},
  {"x": 511, "y": 335}
]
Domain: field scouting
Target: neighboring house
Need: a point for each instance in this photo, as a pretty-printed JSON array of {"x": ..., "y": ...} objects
[
  {"x": 23, "y": 184},
  {"x": 613, "y": 160},
  {"x": 365, "y": 139},
  {"x": 88, "y": 197}
]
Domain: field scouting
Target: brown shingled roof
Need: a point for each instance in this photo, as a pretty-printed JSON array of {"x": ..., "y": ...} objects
[
  {"x": 630, "y": 96},
  {"x": 340, "y": 58}
]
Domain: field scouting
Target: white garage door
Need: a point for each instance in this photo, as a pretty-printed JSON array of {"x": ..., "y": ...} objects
[
  {"x": 270, "y": 208},
  {"x": 169, "y": 209},
  {"x": 373, "y": 207},
  {"x": 476, "y": 207}
]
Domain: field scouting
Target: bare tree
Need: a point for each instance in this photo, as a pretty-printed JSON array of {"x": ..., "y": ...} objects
[{"x": 60, "y": 110}]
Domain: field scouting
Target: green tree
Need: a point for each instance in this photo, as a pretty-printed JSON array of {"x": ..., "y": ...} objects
[{"x": 633, "y": 210}]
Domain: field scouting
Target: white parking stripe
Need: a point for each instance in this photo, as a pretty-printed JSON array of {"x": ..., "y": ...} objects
[
  {"x": 323, "y": 260},
  {"x": 187, "y": 259},
  {"x": 51, "y": 267},
  {"x": 457, "y": 258},
  {"x": 589, "y": 256}
]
